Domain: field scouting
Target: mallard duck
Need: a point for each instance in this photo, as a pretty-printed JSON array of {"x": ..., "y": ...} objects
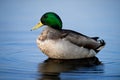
[{"x": 60, "y": 43}]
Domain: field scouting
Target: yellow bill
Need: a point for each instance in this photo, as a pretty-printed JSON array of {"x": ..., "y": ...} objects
[{"x": 37, "y": 26}]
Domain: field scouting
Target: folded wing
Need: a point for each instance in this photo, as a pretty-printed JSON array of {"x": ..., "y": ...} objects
[{"x": 83, "y": 40}]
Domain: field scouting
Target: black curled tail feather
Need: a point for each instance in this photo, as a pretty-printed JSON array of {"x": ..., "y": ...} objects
[{"x": 102, "y": 44}]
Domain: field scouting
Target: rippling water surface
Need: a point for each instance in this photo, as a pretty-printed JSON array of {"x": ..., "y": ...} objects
[{"x": 20, "y": 59}]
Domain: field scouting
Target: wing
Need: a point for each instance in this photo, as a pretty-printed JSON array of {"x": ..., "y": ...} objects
[{"x": 82, "y": 40}]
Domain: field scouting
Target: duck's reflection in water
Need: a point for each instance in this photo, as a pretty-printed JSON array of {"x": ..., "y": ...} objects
[{"x": 50, "y": 69}]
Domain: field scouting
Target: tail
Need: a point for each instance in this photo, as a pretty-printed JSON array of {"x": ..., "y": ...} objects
[{"x": 102, "y": 44}]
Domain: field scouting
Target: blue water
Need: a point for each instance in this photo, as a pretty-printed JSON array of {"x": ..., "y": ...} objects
[{"x": 20, "y": 59}]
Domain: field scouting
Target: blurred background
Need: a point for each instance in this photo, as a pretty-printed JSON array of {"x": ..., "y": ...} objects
[{"x": 91, "y": 17}]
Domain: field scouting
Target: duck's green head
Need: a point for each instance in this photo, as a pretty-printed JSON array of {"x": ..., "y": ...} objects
[{"x": 50, "y": 19}]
